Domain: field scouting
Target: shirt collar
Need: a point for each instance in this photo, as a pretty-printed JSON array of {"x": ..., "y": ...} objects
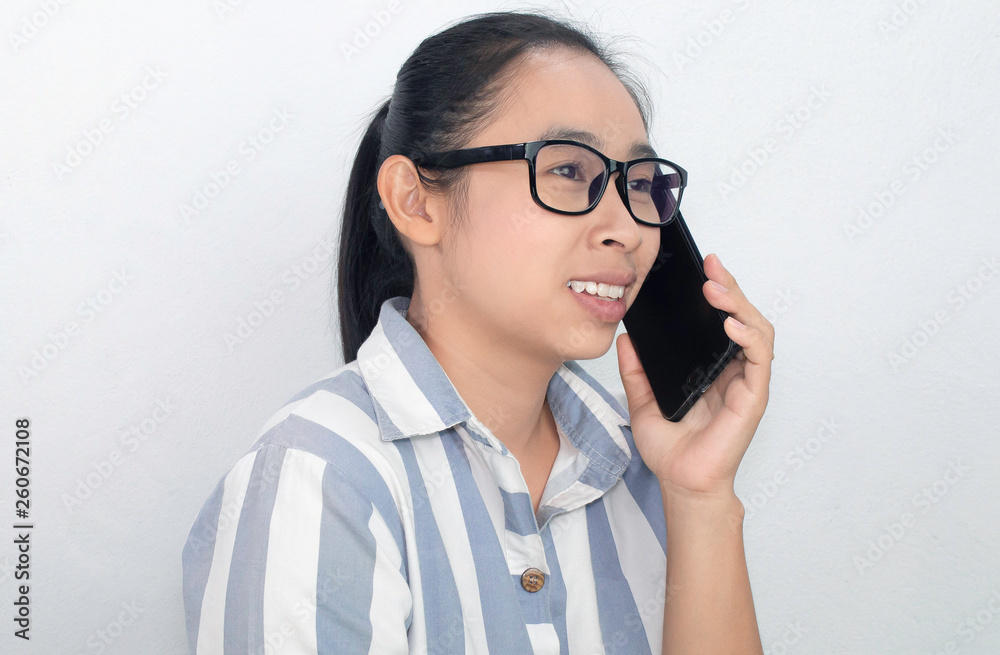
[{"x": 413, "y": 395}]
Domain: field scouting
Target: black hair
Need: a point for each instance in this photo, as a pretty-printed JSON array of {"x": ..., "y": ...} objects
[{"x": 446, "y": 90}]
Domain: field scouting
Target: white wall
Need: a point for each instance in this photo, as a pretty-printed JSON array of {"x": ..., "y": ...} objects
[{"x": 844, "y": 545}]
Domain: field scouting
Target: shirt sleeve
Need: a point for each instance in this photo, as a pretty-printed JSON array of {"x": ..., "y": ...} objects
[{"x": 289, "y": 554}]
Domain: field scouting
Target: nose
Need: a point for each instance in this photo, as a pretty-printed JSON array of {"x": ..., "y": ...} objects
[
  {"x": 617, "y": 182},
  {"x": 623, "y": 229}
]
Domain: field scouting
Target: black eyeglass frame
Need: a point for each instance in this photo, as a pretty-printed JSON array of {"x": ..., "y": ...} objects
[{"x": 529, "y": 150}]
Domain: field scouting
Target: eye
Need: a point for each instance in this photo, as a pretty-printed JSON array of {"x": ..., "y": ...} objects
[
  {"x": 569, "y": 170},
  {"x": 642, "y": 185}
]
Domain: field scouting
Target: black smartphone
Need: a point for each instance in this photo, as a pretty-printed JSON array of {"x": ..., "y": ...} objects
[{"x": 677, "y": 334}]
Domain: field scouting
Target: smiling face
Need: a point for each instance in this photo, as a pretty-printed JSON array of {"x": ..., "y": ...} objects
[{"x": 511, "y": 258}]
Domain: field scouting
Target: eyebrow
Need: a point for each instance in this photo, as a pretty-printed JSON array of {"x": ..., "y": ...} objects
[{"x": 636, "y": 149}]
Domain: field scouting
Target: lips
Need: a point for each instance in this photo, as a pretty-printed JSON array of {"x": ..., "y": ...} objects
[
  {"x": 608, "y": 311},
  {"x": 620, "y": 277}
]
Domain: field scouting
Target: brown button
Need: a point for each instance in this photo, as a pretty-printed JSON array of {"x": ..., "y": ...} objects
[{"x": 532, "y": 579}]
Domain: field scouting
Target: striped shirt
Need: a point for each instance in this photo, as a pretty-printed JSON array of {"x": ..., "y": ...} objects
[{"x": 376, "y": 514}]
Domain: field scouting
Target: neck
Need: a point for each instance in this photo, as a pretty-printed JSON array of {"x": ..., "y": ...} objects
[{"x": 504, "y": 386}]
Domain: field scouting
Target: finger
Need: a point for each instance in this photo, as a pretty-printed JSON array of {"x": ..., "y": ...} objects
[
  {"x": 637, "y": 390},
  {"x": 757, "y": 351},
  {"x": 715, "y": 395},
  {"x": 732, "y": 300},
  {"x": 714, "y": 270}
]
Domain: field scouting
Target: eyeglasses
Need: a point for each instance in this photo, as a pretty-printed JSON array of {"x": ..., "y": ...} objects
[{"x": 568, "y": 177}]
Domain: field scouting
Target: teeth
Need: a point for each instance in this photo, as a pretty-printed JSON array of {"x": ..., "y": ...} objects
[{"x": 607, "y": 291}]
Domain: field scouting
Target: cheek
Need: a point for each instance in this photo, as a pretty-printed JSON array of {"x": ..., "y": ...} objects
[
  {"x": 517, "y": 255},
  {"x": 517, "y": 231},
  {"x": 493, "y": 250}
]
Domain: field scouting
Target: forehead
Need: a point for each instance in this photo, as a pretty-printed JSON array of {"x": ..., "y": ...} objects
[{"x": 559, "y": 93}]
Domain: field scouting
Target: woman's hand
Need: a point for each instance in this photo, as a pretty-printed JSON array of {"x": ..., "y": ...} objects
[{"x": 698, "y": 455}]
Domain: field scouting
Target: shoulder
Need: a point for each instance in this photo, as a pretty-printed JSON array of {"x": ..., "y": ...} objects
[
  {"x": 316, "y": 496},
  {"x": 338, "y": 403},
  {"x": 328, "y": 417},
  {"x": 326, "y": 437},
  {"x": 321, "y": 452}
]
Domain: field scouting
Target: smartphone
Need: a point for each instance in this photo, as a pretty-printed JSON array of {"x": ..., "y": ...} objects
[{"x": 678, "y": 336}]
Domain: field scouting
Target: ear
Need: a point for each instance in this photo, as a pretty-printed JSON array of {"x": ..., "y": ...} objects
[{"x": 410, "y": 207}]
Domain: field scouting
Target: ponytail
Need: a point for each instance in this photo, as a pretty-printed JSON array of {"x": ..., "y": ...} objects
[{"x": 373, "y": 266}]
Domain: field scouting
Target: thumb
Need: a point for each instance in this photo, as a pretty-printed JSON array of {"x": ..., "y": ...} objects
[{"x": 637, "y": 390}]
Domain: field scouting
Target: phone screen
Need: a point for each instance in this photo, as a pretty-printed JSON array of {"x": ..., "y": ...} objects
[{"x": 678, "y": 336}]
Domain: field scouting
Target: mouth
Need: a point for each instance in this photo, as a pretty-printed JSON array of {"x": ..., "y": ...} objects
[
  {"x": 603, "y": 295},
  {"x": 610, "y": 285},
  {"x": 609, "y": 292}
]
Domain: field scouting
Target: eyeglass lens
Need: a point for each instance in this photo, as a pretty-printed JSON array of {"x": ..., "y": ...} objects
[{"x": 569, "y": 177}]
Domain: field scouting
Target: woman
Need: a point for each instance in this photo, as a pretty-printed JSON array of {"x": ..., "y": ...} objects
[{"x": 461, "y": 484}]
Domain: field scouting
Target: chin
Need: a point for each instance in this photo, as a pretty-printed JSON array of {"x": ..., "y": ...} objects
[{"x": 588, "y": 341}]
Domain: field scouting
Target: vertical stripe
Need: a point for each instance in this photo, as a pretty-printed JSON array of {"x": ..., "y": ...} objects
[
  {"x": 557, "y": 591},
  {"x": 644, "y": 488},
  {"x": 519, "y": 516},
  {"x": 482, "y": 474},
  {"x": 212, "y": 624},
  {"x": 642, "y": 564},
  {"x": 497, "y": 596},
  {"x": 245, "y": 590},
  {"x": 544, "y": 640},
  {"x": 391, "y": 599},
  {"x": 346, "y": 571},
  {"x": 196, "y": 560},
  {"x": 442, "y": 609},
  {"x": 366, "y": 466},
  {"x": 572, "y": 545},
  {"x": 621, "y": 627},
  {"x": 293, "y": 547},
  {"x": 446, "y": 505}
]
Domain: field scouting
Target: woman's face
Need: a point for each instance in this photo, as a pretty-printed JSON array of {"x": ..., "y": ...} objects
[{"x": 511, "y": 258}]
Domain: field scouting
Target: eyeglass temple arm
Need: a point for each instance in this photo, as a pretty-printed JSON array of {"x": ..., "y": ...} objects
[{"x": 455, "y": 158}]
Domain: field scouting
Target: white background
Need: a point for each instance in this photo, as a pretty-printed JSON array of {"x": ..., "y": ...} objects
[{"x": 843, "y": 543}]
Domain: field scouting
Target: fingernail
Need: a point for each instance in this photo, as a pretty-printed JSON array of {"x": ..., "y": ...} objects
[
  {"x": 719, "y": 286},
  {"x": 736, "y": 323}
]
